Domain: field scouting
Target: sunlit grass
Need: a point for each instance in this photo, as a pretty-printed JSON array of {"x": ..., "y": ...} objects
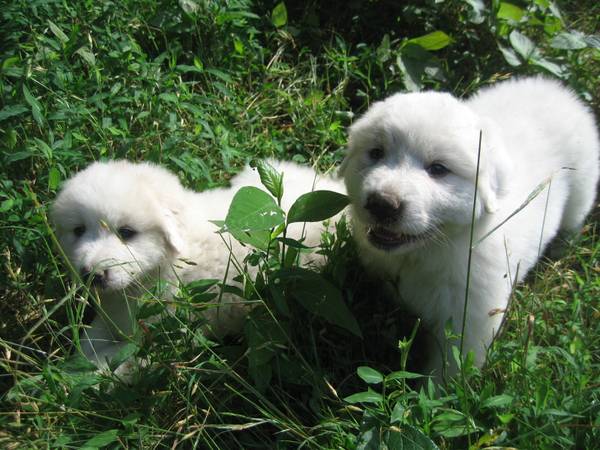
[{"x": 201, "y": 92}]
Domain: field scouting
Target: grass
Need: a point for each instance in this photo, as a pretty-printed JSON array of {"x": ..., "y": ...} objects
[{"x": 202, "y": 87}]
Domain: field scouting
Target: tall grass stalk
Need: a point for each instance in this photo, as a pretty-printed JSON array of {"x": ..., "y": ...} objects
[{"x": 470, "y": 253}]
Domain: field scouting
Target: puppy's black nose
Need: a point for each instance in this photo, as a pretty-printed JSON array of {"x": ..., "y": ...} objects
[
  {"x": 97, "y": 279},
  {"x": 384, "y": 208}
]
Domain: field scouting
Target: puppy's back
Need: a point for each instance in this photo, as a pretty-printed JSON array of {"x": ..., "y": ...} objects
[
  {"x": 541, "y": 107},
  {"x": 547, "y": 132}
]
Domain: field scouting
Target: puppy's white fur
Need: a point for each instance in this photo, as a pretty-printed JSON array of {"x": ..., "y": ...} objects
[
  {"x": 173, "y": 240},
  {"x": 533, "y": 130}
]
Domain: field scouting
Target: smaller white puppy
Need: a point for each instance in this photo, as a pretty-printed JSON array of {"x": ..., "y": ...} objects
[
  {"x": 124, "y": 226},
  {"x": 411, "y": 173}
]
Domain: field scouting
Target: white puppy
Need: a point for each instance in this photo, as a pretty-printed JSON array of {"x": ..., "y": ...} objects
[
  {"x": 411, "y": 174},
  {"x": 124, "y": 226}
]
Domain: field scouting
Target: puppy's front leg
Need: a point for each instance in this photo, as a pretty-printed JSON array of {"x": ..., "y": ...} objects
[
  {"x": 109, "y": 332},
  {"x": 98, "y": 343},
  {"x": 485, "y": 312}
]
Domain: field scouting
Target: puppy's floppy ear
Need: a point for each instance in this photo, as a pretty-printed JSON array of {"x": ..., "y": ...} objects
[
  {"x": 344, "y": 165},
  {"x": 488, "y": 196},
  {"x": 350, "y": 147},
  {"x": 494, "y": 167},
  {"x": 170, "y": 200},
  {"x": 172, "y": 231}
]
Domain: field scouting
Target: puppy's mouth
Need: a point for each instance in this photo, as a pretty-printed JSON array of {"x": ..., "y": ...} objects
[{"x": 386, "y": 239}]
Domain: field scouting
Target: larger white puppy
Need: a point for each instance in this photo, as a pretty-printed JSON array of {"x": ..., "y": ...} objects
[
  {"x": 411, "y": 176},
  {"x": 124, "y": 226}
]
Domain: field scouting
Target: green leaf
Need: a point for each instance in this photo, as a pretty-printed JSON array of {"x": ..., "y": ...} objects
[
  {"x": 102, "y": 439},
  {"x": 11, "y": 138},
  {"x": 569, "y": 41},
  {"x": 61, "y": 442},
  {"x": 80, "y": 382},
  {"x": 25, "y": 388},
  {"x": 398, "y": 413},
  {"x": 124, "y": 353},
  {"x": 369, "y": 375},
  {"x": 77, "y": 364},
  {"x": 53, "y": 178},
  {"x": 370, "y": 432},
  {"x": 289, "y": 242},
  {"x": 478, "y": 11},
  {"x": 45, "y": 148},
  {"x": 506, "y": 418},
  {"x": 320, "y": 297},
  {"x": 432, "y": 41},
  {"x": 510, "y": 56},
  {"x": 36, "y": 107},
  {"x": 532, "y": 356},
  {"x": 13, "y": 110},
  {"x": 522, "y": 44},
  {"x": 189, "y": 6},
  {"x": 270, "y": 178},
  {"x": 369, "y": 396},
  {"x": 6, "y": 205},
  {"x": 383, "y": 51},
  {"x": 508, "y": 11},
  {"x": 450, "y": 416},
  {"x": 253, "y": 209},
  {"x": 497, "y": 401},
  {"x": 593, "y": 41},
  {"x": 198, "y": 291},
  {"x": 412, "y": 61},
  {"x": 18, "y": 156},
  {"x": 87, "y": 55},
  {"x": 551, "y": 67},
  {"x": 220, "y": 74},
  {"x": 204, "y": 298},
  {"x": 552, "y": 25},
  {"x": 198, "y": 63},
  {"x": 557, "y": 412},
  {"x": 266, "y": 338},
  {"x": 10, "y": 62},
  {"x": 452, "y": 423},
  {"x": 408, "y": 438},
  {"x": 279, "y": 15},
  {"x": 200, "y": 286},
  {"x": 62, "y": 37},
  {"x": 238, "y": 46},
  {"x": 555, "y": 10},
  {"x": 317, "y": 206},
  {"x": 411, "y": 73},
  {"x": 403, "y": 375},
  {"x": 187, "y": 68},
  {"x": 150, "y": 309},
  {"x": 259, "y": 239},
  {"x": 168, "y": 97},
  {"x": 451, "y": 431}
]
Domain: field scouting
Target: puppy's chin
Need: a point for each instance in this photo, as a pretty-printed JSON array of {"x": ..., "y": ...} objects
[{"x": 388, "y": 240}]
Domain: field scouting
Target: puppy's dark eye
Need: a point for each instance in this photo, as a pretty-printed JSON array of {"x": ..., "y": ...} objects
[
  {"x": 437, "y": 170},
  {"x": 376, "y": 153},
  {"x": 126, "y": 233},
  {"x": 79, "y": 230}
]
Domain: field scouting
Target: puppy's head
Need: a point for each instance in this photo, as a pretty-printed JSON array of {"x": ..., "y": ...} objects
[
  {"x": 411, "y": 169},
  {"x": 118, "y": 222}
]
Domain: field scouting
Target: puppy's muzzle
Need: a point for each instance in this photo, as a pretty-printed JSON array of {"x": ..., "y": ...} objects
[
  {"x": 97, "y": 279},
  {"x": 384, "y": 208}
]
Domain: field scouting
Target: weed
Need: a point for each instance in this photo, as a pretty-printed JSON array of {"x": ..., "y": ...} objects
[{"x": 202, "y": 87}]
